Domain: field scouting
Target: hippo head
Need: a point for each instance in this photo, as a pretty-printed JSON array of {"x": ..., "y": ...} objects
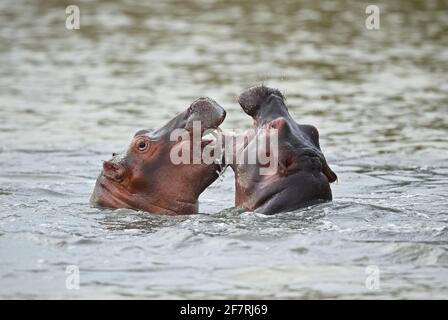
[
  {"x": 300, "y": 175},
  {"x": 145, "y": 176}
]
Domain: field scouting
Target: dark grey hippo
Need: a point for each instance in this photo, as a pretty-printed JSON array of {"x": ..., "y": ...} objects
[{"x": 302, "y": 176}]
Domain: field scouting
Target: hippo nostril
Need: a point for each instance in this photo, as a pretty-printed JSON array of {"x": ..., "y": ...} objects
[{"x": 114, "y": 154}]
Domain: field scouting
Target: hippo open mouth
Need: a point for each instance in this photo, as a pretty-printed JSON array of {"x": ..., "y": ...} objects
[
  {"x": 200, "y": 130},
  {"x": 147, "y": 178},
  {"x": 301, "y": 176}
]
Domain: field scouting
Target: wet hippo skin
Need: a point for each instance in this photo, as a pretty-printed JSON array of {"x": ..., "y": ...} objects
[
  {"x": 145, "y": 177},
  {"x": 302, "y": 176}
]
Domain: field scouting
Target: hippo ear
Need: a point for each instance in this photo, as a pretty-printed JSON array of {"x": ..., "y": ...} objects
[
  {"x": 252, "y": 99},
  {"x": 331, "y": 176},
  {"x": 113, "y": 171}
]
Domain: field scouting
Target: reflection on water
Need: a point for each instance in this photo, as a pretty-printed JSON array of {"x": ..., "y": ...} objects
[{"x": 68, "y": 99}]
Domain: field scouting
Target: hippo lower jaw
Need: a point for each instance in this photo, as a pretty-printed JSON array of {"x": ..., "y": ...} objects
[
  {"x": 110, "y": 194},
  {"x": 277, "y": 194}
]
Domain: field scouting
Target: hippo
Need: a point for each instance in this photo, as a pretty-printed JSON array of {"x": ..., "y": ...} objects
[
  {"x": 302, "y": 176},
  {"x": 145, "y": 177}
]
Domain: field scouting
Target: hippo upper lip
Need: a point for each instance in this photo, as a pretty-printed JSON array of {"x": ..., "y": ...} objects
[
  {"x": 204, "y": 110},
  {"x": 207, "y": 111}
]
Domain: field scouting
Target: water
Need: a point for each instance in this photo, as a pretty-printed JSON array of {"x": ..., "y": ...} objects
[{"x": 68, "y": 99}]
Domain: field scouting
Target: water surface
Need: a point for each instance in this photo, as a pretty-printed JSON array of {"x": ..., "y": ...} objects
[{"x": 69, "y": 98}]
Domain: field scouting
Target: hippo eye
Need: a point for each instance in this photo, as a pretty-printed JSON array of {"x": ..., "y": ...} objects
[{"x": 142, "y": 145}]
